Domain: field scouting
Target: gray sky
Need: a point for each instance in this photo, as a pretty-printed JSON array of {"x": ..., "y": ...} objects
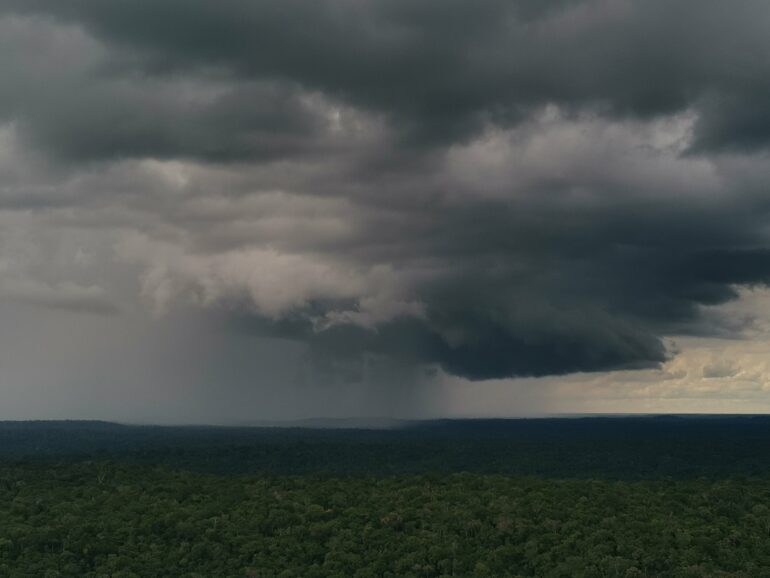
[{"x": 236, "y": 211}]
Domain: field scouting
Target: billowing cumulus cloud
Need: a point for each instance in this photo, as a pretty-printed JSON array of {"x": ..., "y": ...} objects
[{"x": 496, "y": 189}]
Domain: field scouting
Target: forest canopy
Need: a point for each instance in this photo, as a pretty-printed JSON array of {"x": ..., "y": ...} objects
[{"x": 134, "y": 521}]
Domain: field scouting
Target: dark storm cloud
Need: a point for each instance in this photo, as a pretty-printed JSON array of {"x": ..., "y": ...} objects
[
  {"x": 500, "y": 188},
  {"x": 120, "y": 121},
  {"x": 569, "y": 294},
  {"x": 442, "y": 70}
]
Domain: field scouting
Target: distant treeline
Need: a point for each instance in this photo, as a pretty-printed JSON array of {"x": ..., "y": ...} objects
[{"x": 610, "y": 448}]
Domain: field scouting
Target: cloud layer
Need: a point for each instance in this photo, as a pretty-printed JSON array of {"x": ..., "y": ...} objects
[{"x": 496, "y": 188}]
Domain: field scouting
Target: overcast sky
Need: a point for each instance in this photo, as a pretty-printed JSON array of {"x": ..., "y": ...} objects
[{"x": 231, "y": 211}]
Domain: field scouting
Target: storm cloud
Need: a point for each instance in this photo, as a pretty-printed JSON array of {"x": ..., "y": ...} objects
[{"x": 494, "y": 188}]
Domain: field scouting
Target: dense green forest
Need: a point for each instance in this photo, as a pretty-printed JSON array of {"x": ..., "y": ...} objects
[
  {"x": 687, "y": 496},
  {"x": 132, "y": 520}
]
